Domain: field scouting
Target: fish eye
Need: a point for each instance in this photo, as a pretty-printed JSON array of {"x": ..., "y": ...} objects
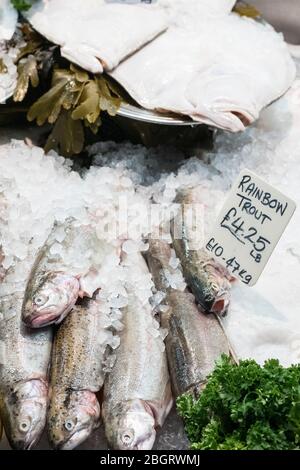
[
  {"x": 69, "y": 425},
  {"x": 40, "y": 300},
  {"x": 25, "y": 425},
  {"x": 127, "y": 437}
]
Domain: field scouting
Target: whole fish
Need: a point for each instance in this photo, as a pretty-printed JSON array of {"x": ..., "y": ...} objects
[
  {"x": 55, "y": 282},
  {"x": 24, "y": 360},
  {"x": 208, "y": 280},
  {"x": 77, "y": 374},
  {"x": 219, "y": 57},
  {"x": 137, "y": 395},
  {"x": 195, "y": 341}
]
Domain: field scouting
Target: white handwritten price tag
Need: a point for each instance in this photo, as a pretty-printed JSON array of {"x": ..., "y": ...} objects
[{"x": 249, "y": 227}]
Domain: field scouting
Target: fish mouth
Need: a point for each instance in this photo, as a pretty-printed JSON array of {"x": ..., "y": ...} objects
[
  {"x": 146, "y": 444},
  {"x": 26, "y": 444},
  {"x": 220, "y": 306},
  {"x": 39, "y": 321},
  {"x": 77, "y": 438}
]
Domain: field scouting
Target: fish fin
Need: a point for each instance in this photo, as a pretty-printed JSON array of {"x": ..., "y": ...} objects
[{"x": 82, "y": 293}]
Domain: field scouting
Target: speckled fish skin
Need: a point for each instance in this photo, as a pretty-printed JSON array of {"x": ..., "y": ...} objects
[
  {"x": 53, "y": 288},
  {"x": 77, "y": 374},
  {"x": 195, "y": 341},
  {"x": 137, "y": 395},
  {"x": 24, "y": 362},
  {"x": 209, "y": 281}
]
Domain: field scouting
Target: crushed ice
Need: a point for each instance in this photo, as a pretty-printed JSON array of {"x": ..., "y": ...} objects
[{"x": 36, "y": 191}]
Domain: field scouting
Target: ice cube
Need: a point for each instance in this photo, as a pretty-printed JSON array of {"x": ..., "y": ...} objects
[{"x": 118, "y": 302}]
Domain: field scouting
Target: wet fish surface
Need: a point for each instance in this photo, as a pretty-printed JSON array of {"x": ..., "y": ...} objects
[
  {"x": 137, "y": 395},
  {"x": 24, "y": 361},
  {"x": 208, "y": 280},
  {"x": 70, "y": 253},
  {"x": 115, "y": 30},
  {"x": 195, "y": 341},
  {"x": 215, "y": 70},
  {"x": 77, "y": 374}
]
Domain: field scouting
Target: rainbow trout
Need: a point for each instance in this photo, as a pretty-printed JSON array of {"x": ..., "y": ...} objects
[
  {"x": 24, "y": 360},
  {"x": 59, "y": 274},
  {"x": 137, "y": 395},
  {"x": 195, "y": 341},
  {"x": 77, "y": 374},
  {"x": 208, "y": 280}
]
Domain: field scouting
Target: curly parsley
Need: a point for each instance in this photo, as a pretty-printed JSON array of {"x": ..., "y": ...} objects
[
  {"x": 245, "y": 407},
  {"x": 21, "y": 5}
]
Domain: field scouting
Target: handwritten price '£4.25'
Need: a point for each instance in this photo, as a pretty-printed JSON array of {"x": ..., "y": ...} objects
[{"x": 236, "y": 226}]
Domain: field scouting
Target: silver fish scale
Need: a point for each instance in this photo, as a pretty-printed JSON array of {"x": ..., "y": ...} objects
[
  {"x": 194, "y": 344},
  {"x": 25, "y": 353},
  {"x": 140, "y": 371}
]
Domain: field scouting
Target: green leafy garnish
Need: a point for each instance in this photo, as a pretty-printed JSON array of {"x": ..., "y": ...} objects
[
  {"x": 33, "y": 41},
  {"x": 62, "y": 95},
  {"x": 3, "y": 68},
  {"x": 74, "y": 99},
  {"x": 67, "y": 135},
  {"x": 21, "y": 5},
  {"x": 245, "y": 407},
  {"x": 245, "y": 9},
  {"x": 27, "y": 73}
]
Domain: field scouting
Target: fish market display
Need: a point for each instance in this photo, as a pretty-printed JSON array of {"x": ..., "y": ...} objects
[
  {"x": 114, "y": 31},
  {"x": 222, "y": 72},
  {"x": 24, "y": 360},
  {"x": 195, "y": 341},
  {"x": 77, "y": 374},
  {"x": 208, "y": 280},
  {"x": 263, "y": 322},
  {"x": 8, "y": 20},
  {"x": 137, "y": 396},
  {"x": 54, "y": 282}
]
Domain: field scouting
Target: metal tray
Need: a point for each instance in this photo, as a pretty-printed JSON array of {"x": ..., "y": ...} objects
[{"x": 140, "y": 114}]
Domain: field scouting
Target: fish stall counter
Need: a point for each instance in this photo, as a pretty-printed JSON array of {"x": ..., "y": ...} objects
[{"x": 142, "y": 322}]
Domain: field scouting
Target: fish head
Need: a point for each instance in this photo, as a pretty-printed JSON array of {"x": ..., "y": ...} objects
[
  {"x": 73, "y": 416},
  {"x": 24, "y": 413},
  {"x": 51, "y": 300},
  {"x": 131, "y": 426}
]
